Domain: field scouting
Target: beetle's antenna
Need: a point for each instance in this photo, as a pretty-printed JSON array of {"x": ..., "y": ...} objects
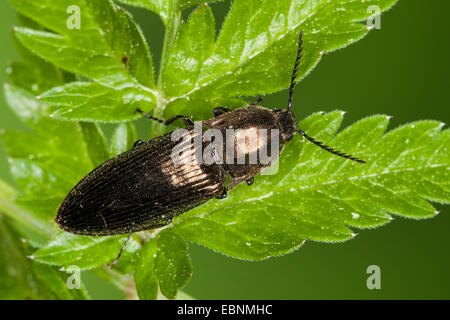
[
  {"x": 329, "y": 149},
  {"x": 291, "y": 92},
  {"x": 294, "y": 72}
]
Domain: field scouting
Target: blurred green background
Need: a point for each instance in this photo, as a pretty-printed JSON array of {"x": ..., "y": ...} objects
[{"x": 401, "y": 70}]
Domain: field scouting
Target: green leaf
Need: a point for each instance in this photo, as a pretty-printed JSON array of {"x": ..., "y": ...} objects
[
  {"x": 144, "y": 273},
  {"x": 97, "y": 148},
  {"x": 85, "y": 252},
  {"x": 48, "y": 161},
  {"x": 33, "y": 226},
  {"x": 163, "y": 262},
  {"x": 318, "y": 196},
  {"x": 24, "y": 279},
  {"x": 55, "y": 283},
  {"x": 173, "y": 265},
  {"x": 108, "y": 48},
  {"x": 164, "y": 8},
  {"x": 41, "y": 190},
  {"x": 33, "y": 73},
  {"x": 123, "y": 138},
  {"x": 89, "y": 100},
  {"x": 194, "y": 43},
  {"x": 34, "y": 78},
  {"x": 258, "y": 40}
]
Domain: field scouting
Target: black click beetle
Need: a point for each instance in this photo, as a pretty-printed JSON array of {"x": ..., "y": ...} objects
[{"x": 143, "y": 188}]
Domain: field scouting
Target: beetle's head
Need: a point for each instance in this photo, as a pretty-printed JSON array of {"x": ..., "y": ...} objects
[{"x": 288, "y": 124}]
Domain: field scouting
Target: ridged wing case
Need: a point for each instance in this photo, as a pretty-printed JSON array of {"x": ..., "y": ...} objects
[{"x": 140, "y": 189}]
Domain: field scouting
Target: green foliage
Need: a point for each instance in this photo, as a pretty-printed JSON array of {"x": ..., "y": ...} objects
[
  {"x": 257, "y": 41},
  {"x": 85, "y": 252},
  {"x": 166, "y": 9},
  {"x": 25, "y": 279},
  {"x": 103, "y": 72},
  {"x": 108, "y": 49},
  {"x": 123, "y": 138},
  {"x": 163, "y": 261}
]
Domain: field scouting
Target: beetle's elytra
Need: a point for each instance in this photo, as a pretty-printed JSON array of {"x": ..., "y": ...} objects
[{"x": 143, "y": 188}]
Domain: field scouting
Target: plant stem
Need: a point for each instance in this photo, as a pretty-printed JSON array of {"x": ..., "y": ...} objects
[
  {"x": 9, "y": 207},
  {"x": 169, "y": 37},
  {"x": 157, "y": 128}
]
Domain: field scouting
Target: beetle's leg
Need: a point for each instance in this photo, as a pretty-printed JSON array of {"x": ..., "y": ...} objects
[
  {"x": 138, "y": 143},
  {"x": 188, "y": 122},
  {"x": 148, "y": 116},
  {"x": 260, "y": 99},
  {"x": 220, "y": 110},
  {"x": 250, "y": 181},
  {"x": 121, "y": 250},
  {"x": 223, "y": 195}
]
